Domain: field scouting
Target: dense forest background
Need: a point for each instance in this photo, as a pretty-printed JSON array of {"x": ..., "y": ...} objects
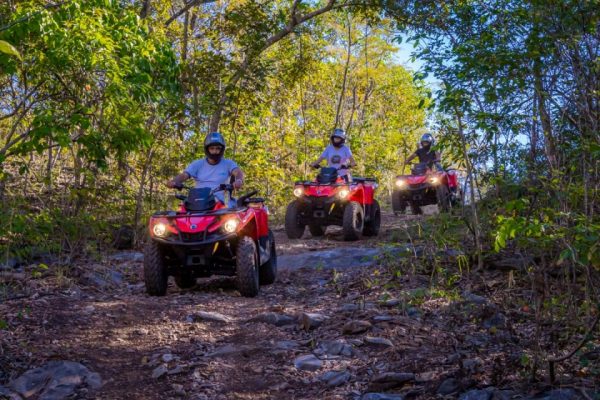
[{"x": 102, "y": 101}]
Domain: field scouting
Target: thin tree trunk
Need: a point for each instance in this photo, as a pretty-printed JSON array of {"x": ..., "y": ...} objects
[
  {"x": 338, "y": 121},
  {"x": 139, "y": 199},
  {"x": 474, "y": 214},
  {"x": 540, "y": 93}
]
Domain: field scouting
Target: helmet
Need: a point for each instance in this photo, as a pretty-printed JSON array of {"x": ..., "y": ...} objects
[
  {"x": 214, "y": 139},
  {"x": 428, "y": 137},
  {"x": 337, "y": 132}
]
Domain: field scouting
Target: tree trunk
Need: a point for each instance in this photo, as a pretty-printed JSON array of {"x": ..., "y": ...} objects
[
  {"x": 540, "y": 94},
  {"x": 474, "y": 214},
  {"x": 338, "y": 121}
]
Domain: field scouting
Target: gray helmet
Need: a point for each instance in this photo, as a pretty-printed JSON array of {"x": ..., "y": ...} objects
[
  {"x": 340, "y": 133},
  {"x": 214, "y": 139},
  {"x": 428, "y": 137}
]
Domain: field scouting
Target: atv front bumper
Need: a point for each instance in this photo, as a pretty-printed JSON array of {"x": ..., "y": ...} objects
[
  {"x": 321, "y": 210},
  {"x": 423, "y": 194}
]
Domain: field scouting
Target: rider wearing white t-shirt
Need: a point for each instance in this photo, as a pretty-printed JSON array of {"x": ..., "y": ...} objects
[
  {"x": 337, "y": 154},
  {"x": 213, "y": 170}
]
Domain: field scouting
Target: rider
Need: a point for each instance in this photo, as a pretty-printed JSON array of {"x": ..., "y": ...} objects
[
  {"x": 426, "y": 154},
  {"x": 337, "y": 154},
  {"x": 213, "y": 170}
]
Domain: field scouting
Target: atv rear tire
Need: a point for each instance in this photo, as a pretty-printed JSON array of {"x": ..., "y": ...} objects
[
  {"x": 246, "y": 267},
  {"x": 372, "y": 226},
  {"x": 268, "y": 271},
  {"x": 185, "y": 280},
  {"x": 415, "y": 208},
  {"x": 156, "y": 275},
  {"x": 316, "y": 230},
  {"x": 293, "y": 228},
  {"x": 443, "y": 198},
  {"x": 353, "y": 222},
  {"x": 398, "y": 205}
]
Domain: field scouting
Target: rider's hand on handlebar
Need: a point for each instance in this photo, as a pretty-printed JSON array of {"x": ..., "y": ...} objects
[
  {"x": 173, "y": 184},
  {"x": 315, "y": 165},
  {"x": 238, "y": 183}
]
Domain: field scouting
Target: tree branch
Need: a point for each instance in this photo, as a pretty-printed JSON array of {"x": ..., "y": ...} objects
[{"x": 189, "y": 5}]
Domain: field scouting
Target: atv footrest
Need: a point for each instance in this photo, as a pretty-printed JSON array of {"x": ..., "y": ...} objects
[{"x": 195, "y": 259}]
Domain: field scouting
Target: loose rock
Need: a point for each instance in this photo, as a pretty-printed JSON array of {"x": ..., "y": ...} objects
[
  {"x": 308, "y": 363},
  {"x": 477, "y": 394},
  {"x": 210, "y": 316},
  {"x": 378, "y": 342},
  {"x": 355, "y": 327},
  {"x": 335, "y": 378},
  {"x": 448, "y": 386},
  {"x": 159, "y": 371},
  {"x": 273, "y": 318},
  {"x": 310, "y": 321},
  {"x": 382, "y": 396},
  {"x": 390, "y": 380},
  {"x": 55, "y": 380}
]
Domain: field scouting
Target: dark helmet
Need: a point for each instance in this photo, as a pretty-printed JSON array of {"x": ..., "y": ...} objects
[
  {"x": 214, "y": 139},
  {"x": 428, "y": 137},
  {"x": 339, "y": 133}
]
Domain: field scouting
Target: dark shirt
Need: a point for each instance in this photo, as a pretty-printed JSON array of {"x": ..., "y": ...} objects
[{"x": 425, "y": 155}]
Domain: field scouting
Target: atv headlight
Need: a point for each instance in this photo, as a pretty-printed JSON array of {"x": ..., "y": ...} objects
[
  {"x": 160, "y": 230},
  {"x": 231, "y": 225},
  {"x": 434, "y": 181},
  {"x": 400, "y": 182},
  {"x": 298, "y": 191},
  {"x": 343, "y": 193}
]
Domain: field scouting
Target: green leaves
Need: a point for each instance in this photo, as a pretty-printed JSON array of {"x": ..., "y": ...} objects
[{"x": 9, "y": 49}]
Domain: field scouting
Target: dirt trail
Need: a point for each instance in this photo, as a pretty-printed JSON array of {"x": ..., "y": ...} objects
[{"x": 127, "y": 336}]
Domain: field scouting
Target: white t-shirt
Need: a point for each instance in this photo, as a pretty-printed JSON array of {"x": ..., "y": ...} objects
[
  {"x": 208, "y": 175},
  {"x": 336, "y": 157}
]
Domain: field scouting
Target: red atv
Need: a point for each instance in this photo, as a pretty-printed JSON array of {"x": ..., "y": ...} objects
[
  {"x": 425, "y": 186},
  {"x": 330, "y": 200},
  {"x": 205, "y": 238}
]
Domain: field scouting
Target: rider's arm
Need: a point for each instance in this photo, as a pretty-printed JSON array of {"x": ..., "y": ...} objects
[
  {"x": 352, "y": 162},
  {"x": 316, "y": 163},
  {"x": 178, "y": 180},
  {"x": 410, "y": 158},
  {"x": 239, "y": 178},
  {"x": 438, "y": 156}
]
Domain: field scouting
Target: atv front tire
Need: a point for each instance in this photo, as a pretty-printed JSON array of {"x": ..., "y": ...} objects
[
  {"x": 316, "y": 230},
  {"x": 268, "y": 271},
  {"x": 372, "y": 225},
  {"x": 185, "y": 280},
  {"x": 398, "y": 205},
  {"x": 353, "y": 222},
  {"x": 156, "y": 274},
  {"x": 246, "y": 267},
  {"x": 443, "y": 198},
  {"x": 293, "y": 228}
]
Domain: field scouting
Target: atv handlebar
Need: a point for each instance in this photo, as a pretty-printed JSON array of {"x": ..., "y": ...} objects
[{"x": 338, "y": 168}]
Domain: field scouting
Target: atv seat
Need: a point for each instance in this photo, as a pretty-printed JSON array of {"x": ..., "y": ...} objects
[
  {"x": 200, "y": 199},
  {"x": 327, "y": 175}
]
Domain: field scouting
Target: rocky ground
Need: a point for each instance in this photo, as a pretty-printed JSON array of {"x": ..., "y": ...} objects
[{"x": 361, "y": 329}]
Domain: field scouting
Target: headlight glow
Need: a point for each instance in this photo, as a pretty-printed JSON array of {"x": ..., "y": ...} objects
[
  {"x": 298, "y": 191},
  {"x": 231, "y": 225},
  {"x": 435, "y": 180},
  {"x": 400, "y": 182},
  {"x": 343, "y": 193},
  {"x": 159, "y": 229}
]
